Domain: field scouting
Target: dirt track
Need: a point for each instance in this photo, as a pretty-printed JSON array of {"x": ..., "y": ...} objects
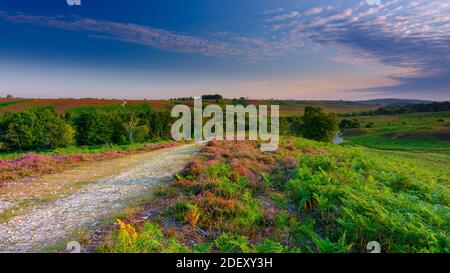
[{"x": 46, "y": 223}]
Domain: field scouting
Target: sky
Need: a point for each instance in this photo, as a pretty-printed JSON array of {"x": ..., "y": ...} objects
[{"x": 287, "y": 49}]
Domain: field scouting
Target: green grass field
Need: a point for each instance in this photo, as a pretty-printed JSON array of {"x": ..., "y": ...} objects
[{"x": 418, "y": 132}]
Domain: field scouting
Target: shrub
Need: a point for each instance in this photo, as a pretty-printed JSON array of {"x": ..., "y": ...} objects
[
  {"x": 192, "y": 215},
  {"x": 269, "y": 246},
  {"x": 35, "y": 129},
  {"x": 180, "y": 209},
  {"x": 141, "y": 133},
  {"x": 150, "y": 240},
  {"x": 317, "y": 125},
  {"x": 226, "y": 243},
  {"x": 349, "y": 124},
  {"x": 218, "y": 170},
  {"x": 93, "y": 127}
]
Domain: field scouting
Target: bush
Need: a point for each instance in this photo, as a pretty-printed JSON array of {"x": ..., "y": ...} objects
[
  {"x": 349, "y": 124},
  {"x": 370, "y": 125},
  {"x": 269, "y": 246},
  {"x": 35, "y": 129},
  {"x": 318, "y": 125},
  {"x": 141, "y": 133},
  {"x": 150, "y": 240},
  {"x": 93, "y": 128},
  {"x": 226, "y": 243}
]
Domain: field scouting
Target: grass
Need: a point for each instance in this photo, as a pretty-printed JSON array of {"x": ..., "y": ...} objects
[
  {"x": 418, "y": 132},
  {"x": 306, "y": 197},
  {"x": 412, "y": 144},
  {"x": 96, "y": 149}
]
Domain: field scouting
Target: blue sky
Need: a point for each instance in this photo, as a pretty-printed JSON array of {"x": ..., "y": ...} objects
[{"x": 317, "y": 49}]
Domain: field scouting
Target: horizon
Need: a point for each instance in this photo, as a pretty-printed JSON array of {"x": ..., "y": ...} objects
[
  {"x": 3, "y": 97},
  {"x": 296, "y": 50}
]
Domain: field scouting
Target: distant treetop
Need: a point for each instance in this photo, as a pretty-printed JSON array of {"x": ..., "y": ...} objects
[{"x": 212, "y": 97}]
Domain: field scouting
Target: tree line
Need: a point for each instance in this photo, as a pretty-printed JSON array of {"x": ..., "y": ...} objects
[
  {"x": 409, "y": 108},
  {"x": 45, "y": 129}
]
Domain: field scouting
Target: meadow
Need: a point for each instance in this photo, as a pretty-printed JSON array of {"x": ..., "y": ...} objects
[{"x": 415, "y": 132}]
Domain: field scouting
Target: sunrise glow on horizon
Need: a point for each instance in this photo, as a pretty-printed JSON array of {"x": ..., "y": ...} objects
[{"x": 315, "y": 50}]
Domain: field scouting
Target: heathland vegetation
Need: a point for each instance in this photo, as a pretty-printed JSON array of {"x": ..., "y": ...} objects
[
  {"x": 388, "y": 182},
  {"x": 306, "y": 197}
]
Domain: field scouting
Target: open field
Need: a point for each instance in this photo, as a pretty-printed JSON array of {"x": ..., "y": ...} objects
[
  {"x": 68, "y": 105},
  {"x": 419, "y": 132}
]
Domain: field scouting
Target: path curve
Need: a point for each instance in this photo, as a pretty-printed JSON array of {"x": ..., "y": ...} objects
[{"x": 47, "y": 224}]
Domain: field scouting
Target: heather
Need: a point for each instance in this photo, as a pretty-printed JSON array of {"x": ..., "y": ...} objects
[
  {"x": 306, "y": 197},
  {"x": 33, "y": 165}
]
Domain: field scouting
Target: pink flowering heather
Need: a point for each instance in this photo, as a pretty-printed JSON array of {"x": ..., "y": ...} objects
[{"x": 35, "y": 165}]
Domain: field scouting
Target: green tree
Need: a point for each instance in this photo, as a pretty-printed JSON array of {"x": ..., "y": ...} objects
[
  {"x": 93, "y": 128},
  {"x": 130, "y": 127},
  {"x": 18, "y": 130},
  {"x": 141, "y": 133},
  {"x": 317, "y": 125},
  {"x": 349, "y": 124},
  {"x": 52, "y": 131},
  {"x": 35, "y": 129}
]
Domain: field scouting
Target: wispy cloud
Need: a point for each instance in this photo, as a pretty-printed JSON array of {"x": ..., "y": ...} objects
[
  {"x": 272, "y": 11},
  {"x": 224, "y": 45},
  {"x": 414, "y": 35},
  {"x": 314, "y": 11},
  {"x": 284, "y": 16}
]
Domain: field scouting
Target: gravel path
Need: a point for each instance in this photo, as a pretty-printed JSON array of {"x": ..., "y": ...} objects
[
  {"x": 47, "y": 224},
  {"x": 4, "y": 205}
]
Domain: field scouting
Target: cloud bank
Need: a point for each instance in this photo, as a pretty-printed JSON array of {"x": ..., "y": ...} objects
[{"x": 414, "y": 35}]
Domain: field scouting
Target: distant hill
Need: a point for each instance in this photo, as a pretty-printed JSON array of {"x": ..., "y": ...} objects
[{"x": 390, "y": 101}]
